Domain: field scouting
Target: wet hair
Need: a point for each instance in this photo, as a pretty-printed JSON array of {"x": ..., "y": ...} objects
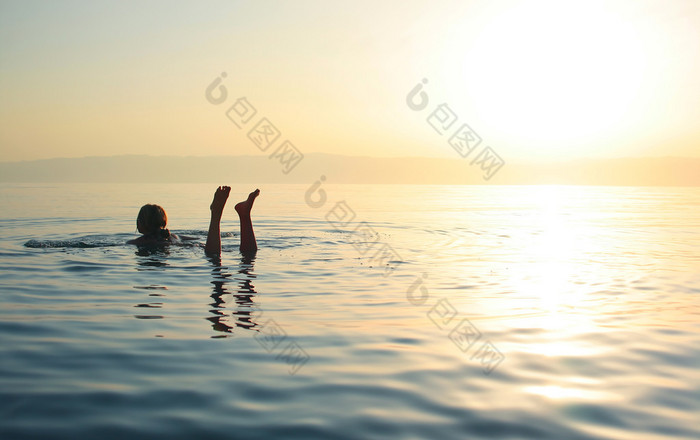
[{"x": 153, "y": 220}]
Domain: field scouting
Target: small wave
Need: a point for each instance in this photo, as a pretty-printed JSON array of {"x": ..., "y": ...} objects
[
  {"x": 101, "y": 241},
  {"x": 151, "y": 287},
  {"x": 75, "y": 243},
  {"x": 197, "y": 233}
]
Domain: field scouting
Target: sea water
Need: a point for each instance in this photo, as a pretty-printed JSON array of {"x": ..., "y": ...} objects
[{"x": 431, "y": 312}]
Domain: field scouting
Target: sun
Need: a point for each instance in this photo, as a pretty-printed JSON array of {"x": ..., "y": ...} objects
[{"x": 555, "y": 74}]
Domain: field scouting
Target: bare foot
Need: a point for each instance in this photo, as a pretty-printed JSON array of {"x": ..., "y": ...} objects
[
  {"x": 220, "y": 197},
  {"x": 243, "y": 208}
]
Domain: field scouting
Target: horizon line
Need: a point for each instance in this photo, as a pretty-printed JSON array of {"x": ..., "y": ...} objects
[{"x": 517, "y": 161}]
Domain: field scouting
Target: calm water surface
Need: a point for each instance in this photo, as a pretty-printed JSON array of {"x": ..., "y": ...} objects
[{"x": 436, "y": 312}]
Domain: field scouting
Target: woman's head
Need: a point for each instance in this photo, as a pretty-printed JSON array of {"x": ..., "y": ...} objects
[{"x": 151, "y": 218}]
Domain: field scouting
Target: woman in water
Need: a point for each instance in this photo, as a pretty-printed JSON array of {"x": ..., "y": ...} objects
[{"x": 152, "y": 221}]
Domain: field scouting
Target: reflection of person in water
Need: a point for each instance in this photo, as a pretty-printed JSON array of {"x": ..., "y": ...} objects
[
  {"x": 245, "y": 307},
  {"x": 152, "y": 221}
]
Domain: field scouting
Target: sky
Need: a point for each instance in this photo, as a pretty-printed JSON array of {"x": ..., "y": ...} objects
[{"x": 534, "y": 80}]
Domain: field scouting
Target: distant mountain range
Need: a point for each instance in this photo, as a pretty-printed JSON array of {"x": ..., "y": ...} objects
[{"x": 663, "y": 171}]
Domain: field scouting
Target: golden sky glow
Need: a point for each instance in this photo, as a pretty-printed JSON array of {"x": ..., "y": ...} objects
[{"x": 537, "y": 80}]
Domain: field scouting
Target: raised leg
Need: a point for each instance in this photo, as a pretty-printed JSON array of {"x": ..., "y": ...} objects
[
  {"x": 213, "y": 245},
  {"x": 248, "y": 243}
]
